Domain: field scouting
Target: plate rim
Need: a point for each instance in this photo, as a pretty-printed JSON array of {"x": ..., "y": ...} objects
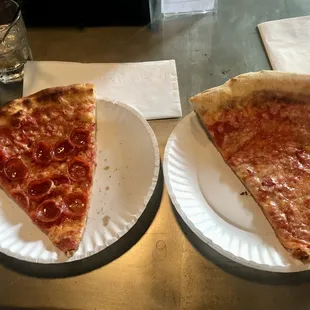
[
  {"x": 127, "y": 227},
  {"x": 196, "y": 231}
]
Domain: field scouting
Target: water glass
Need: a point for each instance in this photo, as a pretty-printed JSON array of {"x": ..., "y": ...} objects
[{"x": 14, "y": 47}]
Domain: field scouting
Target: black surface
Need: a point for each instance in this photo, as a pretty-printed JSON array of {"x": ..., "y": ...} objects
[{"x": 54, "y": 13}]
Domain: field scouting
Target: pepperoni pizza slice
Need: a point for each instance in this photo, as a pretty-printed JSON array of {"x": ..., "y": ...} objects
[
  {"x": 47, "y": 159},
  {"x": 260, "y": 123}
]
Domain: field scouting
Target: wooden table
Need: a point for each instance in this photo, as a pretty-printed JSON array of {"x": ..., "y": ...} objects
[{"x": 160, "y": 263}]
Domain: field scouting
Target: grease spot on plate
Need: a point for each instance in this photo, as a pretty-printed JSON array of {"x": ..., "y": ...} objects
[{"x": 105, "y": 220}]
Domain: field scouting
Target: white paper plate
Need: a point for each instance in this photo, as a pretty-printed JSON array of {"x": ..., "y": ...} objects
[
  {"x": 126, "y": 175},
  {"x": 206, "y": 193}
]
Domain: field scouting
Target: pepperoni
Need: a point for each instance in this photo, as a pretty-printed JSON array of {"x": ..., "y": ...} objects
[
  {"x": 15, "y": 169},
  {"x": 21, "y": 199},
  {"x": 2, "y": 160},
  {"x": 62, "y": 149},
  {"x": 60, "y": 179},
  {"x": 75, "y": 204},
  {"x": 5, "y": 136},
  {"x": 78, "y": 169},
  {"x": 39, "y": 188},
  {"x": 48, "y": 211},
  {"x": 43, "y": 153},
  {"x": 79, "y": 137}
]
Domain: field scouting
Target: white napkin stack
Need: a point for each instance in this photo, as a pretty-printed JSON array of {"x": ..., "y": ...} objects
[
  {"x": 149, "y": 87},
  {"x": 287, "y": 43}
]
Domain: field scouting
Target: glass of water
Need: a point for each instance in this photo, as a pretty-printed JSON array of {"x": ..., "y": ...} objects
[{"x": 14, "y": 48}]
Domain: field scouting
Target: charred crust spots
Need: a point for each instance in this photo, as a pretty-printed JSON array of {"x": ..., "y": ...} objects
[
  {"x": 55, "y": 95},
  {"x": 16, "y": 119},
  {"x": 90, "y": 91},
  {"x": 48, "y": 96},
  {"x": 26, "y": 102},
  {"x": 300, "y": 254}
]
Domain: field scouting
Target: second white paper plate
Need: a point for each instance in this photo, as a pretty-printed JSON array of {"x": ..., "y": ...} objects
[{"x": 206, "y": 194}]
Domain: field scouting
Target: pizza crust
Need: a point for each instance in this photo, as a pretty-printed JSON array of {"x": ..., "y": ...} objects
[
  {"x": 292, "y": 85},
  {"x": 70, "y": 229},
  {"x": 52, "y": 95}
]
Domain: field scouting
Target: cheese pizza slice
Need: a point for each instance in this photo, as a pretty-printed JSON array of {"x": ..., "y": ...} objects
[{"x": 260, "y": 124}]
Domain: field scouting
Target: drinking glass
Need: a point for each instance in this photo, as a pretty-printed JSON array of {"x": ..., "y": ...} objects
[{"x": 14, "y": 48}]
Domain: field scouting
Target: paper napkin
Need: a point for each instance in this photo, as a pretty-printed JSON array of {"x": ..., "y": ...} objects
[
  {"x": 149, "y": 87},
  {"x": 287, "y": 43}
]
